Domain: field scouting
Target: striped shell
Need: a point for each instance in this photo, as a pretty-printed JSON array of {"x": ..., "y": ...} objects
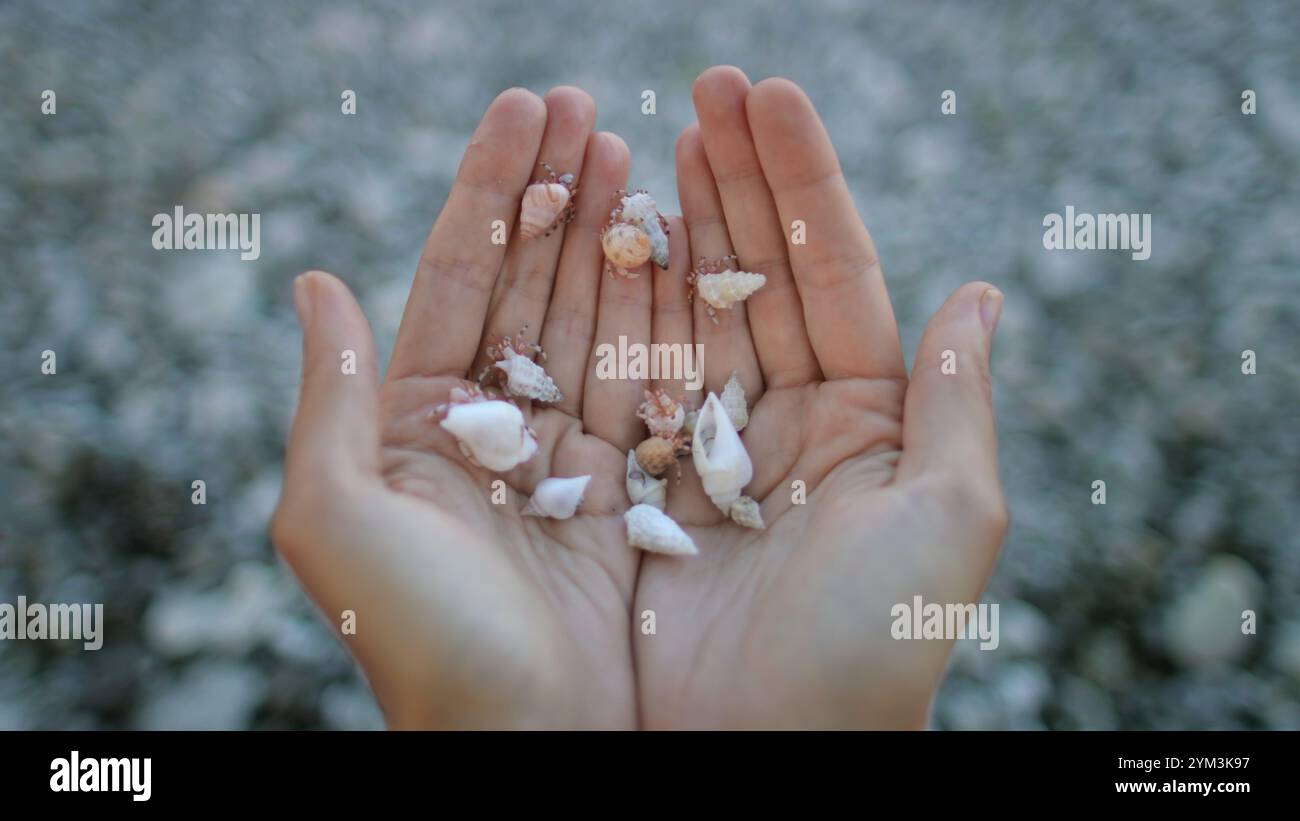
[
  {"x": 524, "y": 377},
  {"x": 542, "y": 205},
  {"x": 733, "y": 402},
  {"x": 656, "y": 455},
  {"x": 650, "y": 529},
  {"x": 661, "y": 414},
  {"x": 744, "y": 512},
  {"x": 724, "y": 289},
  {"x": 626, "y": 246}
]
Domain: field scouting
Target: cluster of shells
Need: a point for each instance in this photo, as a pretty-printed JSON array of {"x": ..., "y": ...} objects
[{"x": 493, "y": 434}]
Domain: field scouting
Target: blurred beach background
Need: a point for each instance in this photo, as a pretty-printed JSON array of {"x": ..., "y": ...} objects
[{"x": 176, "y": 366}]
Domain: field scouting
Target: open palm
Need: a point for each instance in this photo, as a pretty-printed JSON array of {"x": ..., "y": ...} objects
[{"x": 896, "y": 480}]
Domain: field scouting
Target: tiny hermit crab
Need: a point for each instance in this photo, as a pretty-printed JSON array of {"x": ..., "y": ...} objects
[
  {"x": 720, "y": 284},
  {"x": 548, "y": 203},
  {"x": 669, "y": 438},
  {"x": 636, "y": 232},
  {"x": 515, "y": 373}
]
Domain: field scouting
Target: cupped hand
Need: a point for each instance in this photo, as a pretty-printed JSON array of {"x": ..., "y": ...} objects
[
  {"x": 467, "y": 613},
  {"x": 790, "y": 626}
]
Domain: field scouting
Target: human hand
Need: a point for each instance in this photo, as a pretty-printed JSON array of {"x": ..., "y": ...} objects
[
  {"x": 790, "y": 626},
  {"x": 468, "y": 614}
]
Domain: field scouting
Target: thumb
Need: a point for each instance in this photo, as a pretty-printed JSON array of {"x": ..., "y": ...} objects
[
  {"x": 948, "y": 426},
  {"x": 336, "y": 429}
]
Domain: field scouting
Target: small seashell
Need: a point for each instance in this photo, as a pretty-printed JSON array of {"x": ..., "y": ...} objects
[
  {"x": 524, "y": 377},
  {"x": 639, "y": 209},
  {"x": 650, "y": 529},
  {"x": 719, "y": 455},
  {"x": 688, "y": 427},
  {"x": 724, "y": 289},
  {"x": 542, "y": 205},
  {"x": 557, "y": 498},
  {"x": 663, "y": 416},
  {"x": 642, "y": 488},
  {"x": 733, "y": 400},
  {"x": 626, "y": 246},
  {"x": 656, "y": 455},
  {"x": 744, "y": 512},
  {"x": 491, "y": 433}
]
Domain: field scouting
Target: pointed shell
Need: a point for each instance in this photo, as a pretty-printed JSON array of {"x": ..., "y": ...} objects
[
  {"x": 722, "y": 290},
  {"x": 719, "y": 455},
  {"x": 491, "y": 433},
  {"x": 656, "y": 455},
  {"x": 640, "y": 209},
  {"x": 642, "y": 488},
  {"x": 542, "y": 204},
  {"x": 626, "y": 245},
  {"x": 733, "y": 400},
  {"x": 650, "y": 529},
  {"x": 557, "y": 498},
  {"x": 524, "y": 377},
  {"x": 744, "y": 512}
]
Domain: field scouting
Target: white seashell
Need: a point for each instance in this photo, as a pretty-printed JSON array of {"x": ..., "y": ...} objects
[
  {"x": 557, "y": 498},
  {"x": 524, "y": 377},
  {"x": 491, "y": 433},
  {"x": 733, "y": 400},
  {"x": 642, "y": 488},
  {"x": 542, "y": 205},
  {"x": 650, "y": 529},
  {"x": 719, "y": 455},
  {"x": 726, "y": 288},
  {"x": 744, "y": 512},
  {"x": 640, "y": 209},
  {"x": 663, "y": 416}
]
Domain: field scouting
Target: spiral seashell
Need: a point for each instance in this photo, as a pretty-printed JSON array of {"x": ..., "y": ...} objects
[
  {"x": 662, "y": 415},
  {"x": 639, "y": 208},
  {"x": 650, "y": 529},
  {"x": 726, "y": 288},
  {"x": 626, "y": 247},
  {"x": 491, "y": 433},
  {"x": 733, "y": 400},
  {"x": 719, "y": 455},
  {"x": 557, "y": 498},
  {"x": 656, "y": 455},
  {"x": 642, "y": 488},
  {"x": 524, "y": 377},
  {"x": 542, "y": 205},
  {"x": 744, "y": 512}
]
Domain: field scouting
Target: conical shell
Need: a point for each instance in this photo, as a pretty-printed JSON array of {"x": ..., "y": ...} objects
[
  {"x": 492, "y": 433},
  {"x": 719, "y": 455},
  {"x": 524, "y": 377},
  {"x": 626, "y": 246},
  {"x": 733, "y": 400},
  {"x": 642, "y": 488},
  {"x": 744, "y": 512},
  {"x": 542, "y": 204},
  {"x": 662, "y": 415},
  {"x": 557, "y": 498},
  {"x": 656, "y": 455},
  {"x": 640, "y": 209},
  {"x": 650, "y": 529},
  {"x": 722, "y": 290}
]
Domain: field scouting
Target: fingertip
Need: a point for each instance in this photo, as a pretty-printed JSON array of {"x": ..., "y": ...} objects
[
  {"x": 572, "y": 102},
  {"x": 777, "y": 101},
  {"x": 518, "y": 107},
  {"x": 688, "y": 141},
  {"x": 719, "y": 85}
]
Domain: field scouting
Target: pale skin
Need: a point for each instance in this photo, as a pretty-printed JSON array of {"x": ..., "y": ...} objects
[{"x": 470, "y": 615}]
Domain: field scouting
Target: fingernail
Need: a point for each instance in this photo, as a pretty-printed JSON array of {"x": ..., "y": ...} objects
[
  {"x": 990, "y": 309},
  {"x": 302, "y": 300}
]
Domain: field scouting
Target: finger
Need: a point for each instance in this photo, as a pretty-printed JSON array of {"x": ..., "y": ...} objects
[
  {"x": 570, "y": 325},
  {"x": 776, "y": 318},
  {"x": 672, "y": 322},
  {"x": 335, "y": 432},
  {"x": 523, "y": 290},
  {"x": 845, "y": 304},
  {"x": 727, "y": 345},
  {"x": 948, "y": 426},
  {"x": 622, "y": 327},
  {"x": 458, "y": 267}
]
